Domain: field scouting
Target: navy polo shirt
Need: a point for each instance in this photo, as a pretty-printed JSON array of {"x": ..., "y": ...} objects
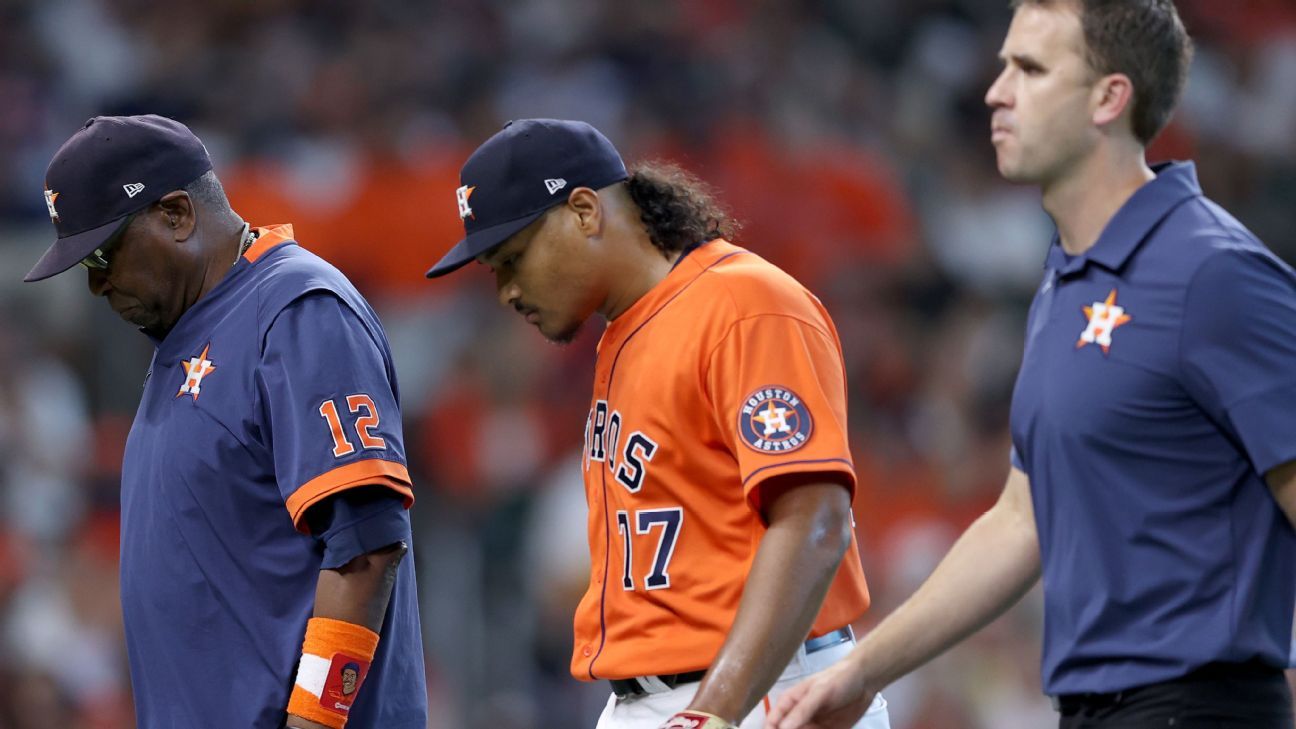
[{"x": 1158, "y": 385}]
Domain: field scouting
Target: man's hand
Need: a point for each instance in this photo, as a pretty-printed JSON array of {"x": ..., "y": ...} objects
[{"x": 833, "y": 699}]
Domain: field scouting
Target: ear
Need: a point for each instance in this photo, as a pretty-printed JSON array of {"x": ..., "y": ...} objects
[
  {"x": 588, "y": 207},
  {"x": 179, "y": 214},
  {"x": 1112, "y": 98}
]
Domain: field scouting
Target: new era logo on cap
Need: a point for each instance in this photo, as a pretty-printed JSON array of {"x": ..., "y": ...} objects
[
  {"x": 133, "y": 189},
  {"x": 554, "y": 185}
]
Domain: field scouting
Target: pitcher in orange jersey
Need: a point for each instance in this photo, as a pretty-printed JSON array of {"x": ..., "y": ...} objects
[{"x": 719, "y": 480}]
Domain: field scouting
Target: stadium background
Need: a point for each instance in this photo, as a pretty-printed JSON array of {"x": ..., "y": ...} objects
[{"x": 849, "y": 136}]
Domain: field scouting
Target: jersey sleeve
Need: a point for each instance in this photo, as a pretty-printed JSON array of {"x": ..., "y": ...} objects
[
  {"x": 358, "y": 521},
  {"x": 1238, "y": 348},
  {"x": 329, "y": 406},
  {"x": 778, "y": 388}
]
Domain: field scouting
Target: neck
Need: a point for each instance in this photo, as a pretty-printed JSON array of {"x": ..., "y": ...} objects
[
  {"x": 1084, "y": 201},
  {"x": 642, "y": 268},
  {"x": 222, "y": 256}
]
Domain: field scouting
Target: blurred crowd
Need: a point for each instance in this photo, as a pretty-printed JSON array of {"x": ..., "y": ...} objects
[{"x": 849, "y": 137}]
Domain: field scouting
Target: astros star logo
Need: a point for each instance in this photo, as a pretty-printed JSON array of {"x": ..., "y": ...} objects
[
  {"x": 462, "y": 194},
  {"x": 774, "y": 419},
  {"x": 50, "y": 198},
  {"x": 1104, "y": 317},
  {"x": 195, "y": 370}
]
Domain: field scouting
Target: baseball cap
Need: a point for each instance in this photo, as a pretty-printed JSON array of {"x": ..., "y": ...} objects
[
  {"x": 525, "y": 169},
  {"x": 112, "y": 167}
]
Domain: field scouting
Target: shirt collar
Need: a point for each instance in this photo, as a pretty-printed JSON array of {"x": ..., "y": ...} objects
[
  {"x": 1136, "y": 219},
  {"x": 268, "y": 237},
  {"x": 692, "y": 264}
]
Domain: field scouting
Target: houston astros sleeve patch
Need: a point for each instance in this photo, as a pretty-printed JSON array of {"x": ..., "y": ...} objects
[{"x": 773, "y": 419}]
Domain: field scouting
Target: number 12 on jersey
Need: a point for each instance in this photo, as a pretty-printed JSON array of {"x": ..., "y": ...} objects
[
  {"x": 645, "y": 520},
  {"x": 363, "y": 424}
]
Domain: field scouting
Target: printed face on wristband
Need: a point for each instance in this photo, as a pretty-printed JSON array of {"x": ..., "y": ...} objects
[{"x": 346, "y": 674}]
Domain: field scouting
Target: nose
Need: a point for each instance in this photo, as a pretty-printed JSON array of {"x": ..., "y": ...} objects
[
  {"x": 98, "y": 281},
  {"x": 997, "y": 96},
  {"x": 508, "y": 291}
]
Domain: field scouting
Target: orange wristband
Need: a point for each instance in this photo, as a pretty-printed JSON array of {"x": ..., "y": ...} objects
[{"x": 335, "y": 660}]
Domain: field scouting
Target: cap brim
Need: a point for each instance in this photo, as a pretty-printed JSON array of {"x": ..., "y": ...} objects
[
  {"x": 68, "y": 252},
  {"x": 482, "y": 241}
]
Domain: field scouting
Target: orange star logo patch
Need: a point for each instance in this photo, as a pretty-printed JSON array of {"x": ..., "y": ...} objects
[
  {"x": 195, "y": 370},
  {"x": 774, "y": 420},
  {"x": 1104, "y": 317}
]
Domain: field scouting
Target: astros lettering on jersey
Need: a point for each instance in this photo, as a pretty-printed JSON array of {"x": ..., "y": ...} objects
[{"x": 726, "y": 373}]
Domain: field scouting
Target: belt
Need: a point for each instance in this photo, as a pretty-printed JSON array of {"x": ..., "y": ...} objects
[
  {"x": 1074, "y": 703},
  {"x": 1249, "y": 670},
  {"x": 643, "y": 685}
]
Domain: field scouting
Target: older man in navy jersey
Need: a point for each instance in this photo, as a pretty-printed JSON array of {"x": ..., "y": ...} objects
[{"x": 264, "y": 488}]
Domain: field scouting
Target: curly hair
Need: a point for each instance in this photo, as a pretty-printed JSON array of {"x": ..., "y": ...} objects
[{"x": 678, "y": 209}]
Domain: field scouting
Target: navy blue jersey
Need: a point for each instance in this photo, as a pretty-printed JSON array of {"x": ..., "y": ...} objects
[
  {"x": 271, "y": 393},
  {"x": 1158, "y": 386}
]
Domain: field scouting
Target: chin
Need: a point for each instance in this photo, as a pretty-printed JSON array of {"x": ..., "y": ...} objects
[
  {"x": 152, "y": 324},
  {"x": 1016, "y": 173},
  {"x": 137, "y": 318},
  {"x": 1007, "y": 169},
  {"x": 564, "y": 335}
]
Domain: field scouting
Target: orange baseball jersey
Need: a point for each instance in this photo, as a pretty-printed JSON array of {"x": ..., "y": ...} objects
[{"x": 726, "y": 373}]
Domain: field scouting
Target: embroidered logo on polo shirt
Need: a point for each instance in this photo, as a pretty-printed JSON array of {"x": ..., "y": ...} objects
[
  {"x": 1104, "y": 317},
  {"x": 195, "y": 370},
  {"x": 774, "y": 420}
]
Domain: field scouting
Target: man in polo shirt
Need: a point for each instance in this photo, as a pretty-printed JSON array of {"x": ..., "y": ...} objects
[
  {"x": 1153, "y": 476},
  {"x": 264, "y": 487}
]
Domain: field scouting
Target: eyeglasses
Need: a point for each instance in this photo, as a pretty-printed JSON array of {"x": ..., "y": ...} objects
[{"x": 98, "y": 260}]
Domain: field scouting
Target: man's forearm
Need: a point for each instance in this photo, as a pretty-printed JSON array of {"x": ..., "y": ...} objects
[
  {"x": 987, "y": 571},
  {"x": 357, "y": 593},
  {"x": 793, "y": 568}
]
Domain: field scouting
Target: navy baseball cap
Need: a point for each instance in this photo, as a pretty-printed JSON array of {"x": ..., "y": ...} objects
[
  {"x": 514, "y": 177},
  {"x": 112, "y": 167}
]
